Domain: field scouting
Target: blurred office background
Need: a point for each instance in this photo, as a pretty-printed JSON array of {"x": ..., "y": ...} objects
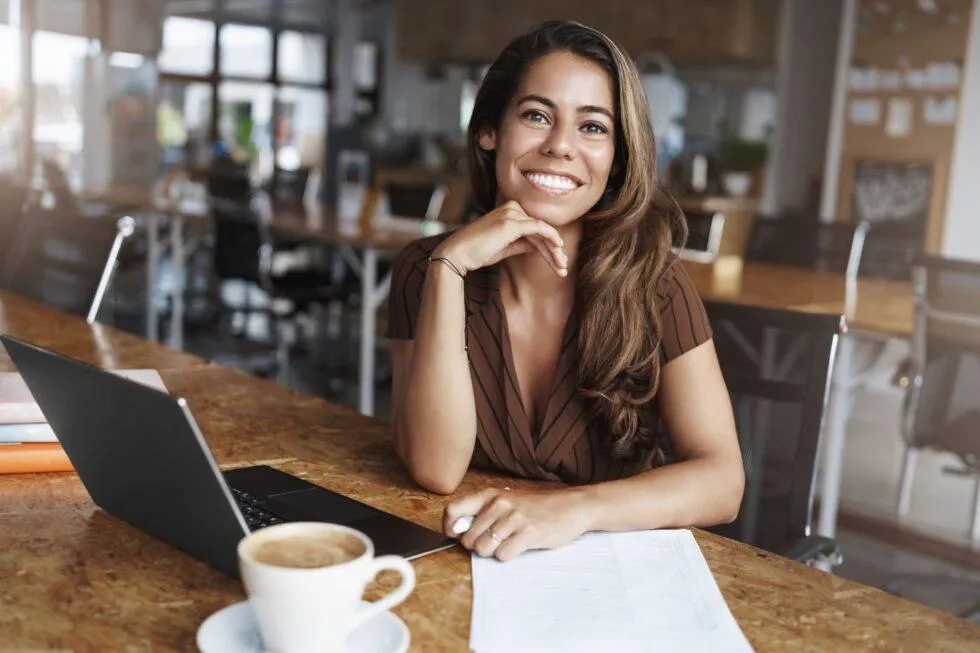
[{"x": 184, "y": 113}]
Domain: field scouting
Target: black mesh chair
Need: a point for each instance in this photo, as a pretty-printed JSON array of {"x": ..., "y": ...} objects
[
  {"x": 64, "y": 260},
  {"x": 777, "y": 365},
  {"x": 802, "y": 241},
  {"x": 942, "y": 406},
  {"x": 243, "y": 251}
]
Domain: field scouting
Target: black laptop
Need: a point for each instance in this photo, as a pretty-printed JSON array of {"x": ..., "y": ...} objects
[{"x": 142, "y": 458}]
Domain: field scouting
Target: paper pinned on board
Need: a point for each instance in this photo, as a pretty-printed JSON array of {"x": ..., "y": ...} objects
[
  {"x": 625, "y": 592},
  {"x": 942, "y": 75},
  {"x": 863, "y": 79},
  {"x": 898, "y": 124},
  {"x": 865, "y": 111},
  {"x": 940, "y": 110},
  {"x": 890, "y": 80}
]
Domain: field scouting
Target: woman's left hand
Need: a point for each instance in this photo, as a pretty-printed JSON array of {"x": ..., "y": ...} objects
[{"x": 507, "y": 523}]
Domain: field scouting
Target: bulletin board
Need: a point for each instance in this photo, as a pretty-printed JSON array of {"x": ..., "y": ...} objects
[{"x": 901, "y": 110}]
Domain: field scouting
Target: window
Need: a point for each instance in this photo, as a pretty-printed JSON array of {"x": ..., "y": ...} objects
[
  {"x": 188, "y": 46},
  {"x": 366, "y": 66},
  {"x": 245, "y": 125},
  {"x": 246, "y": 51},
  {"x": 183, "y": 122},
  {"x": 10, "y": 99},
  {"x": 302, "y": 58},
  {"x": 59, "y": 62},
  {"x": 265, "y": 104},
  {"x": 301, "y": 121}
]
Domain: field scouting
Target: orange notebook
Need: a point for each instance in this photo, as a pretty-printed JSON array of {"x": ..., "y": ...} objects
[{"x": 33, "y": 457}]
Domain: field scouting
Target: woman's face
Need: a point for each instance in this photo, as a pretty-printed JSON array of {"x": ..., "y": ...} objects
[{"x": 556, "y": 141}]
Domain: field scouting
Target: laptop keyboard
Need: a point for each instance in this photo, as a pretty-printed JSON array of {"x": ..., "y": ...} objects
[{"x": 255, "y": 517}]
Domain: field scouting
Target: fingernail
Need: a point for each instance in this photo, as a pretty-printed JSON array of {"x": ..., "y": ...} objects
[{"x": 462, "y": 524}]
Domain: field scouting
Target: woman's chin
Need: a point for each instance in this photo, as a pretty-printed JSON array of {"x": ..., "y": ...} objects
[{"x": 550, "y": 211}]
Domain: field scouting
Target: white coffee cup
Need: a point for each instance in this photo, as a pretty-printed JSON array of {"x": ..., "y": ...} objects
[{"x": 314, "y": 608}]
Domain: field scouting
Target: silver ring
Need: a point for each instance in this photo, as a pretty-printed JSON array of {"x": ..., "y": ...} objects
[{"x": 494, "y": 536}]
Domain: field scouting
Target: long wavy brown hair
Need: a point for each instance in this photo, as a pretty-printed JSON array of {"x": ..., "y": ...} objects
[{"x": 626, "y": 241}]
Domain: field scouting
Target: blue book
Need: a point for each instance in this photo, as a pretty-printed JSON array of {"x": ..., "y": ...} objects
[{"x": 19, "y": 433}]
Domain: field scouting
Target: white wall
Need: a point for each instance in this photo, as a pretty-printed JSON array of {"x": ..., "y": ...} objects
[
  {"x": 804, "y": 87},
  {"x": 961, "y": 236}
]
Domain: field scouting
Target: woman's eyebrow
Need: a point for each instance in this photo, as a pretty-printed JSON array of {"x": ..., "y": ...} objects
[{"x": 588, "y": 108}]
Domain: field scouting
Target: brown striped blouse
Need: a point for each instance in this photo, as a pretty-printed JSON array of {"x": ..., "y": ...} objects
[{"x": 567, "y": 447}]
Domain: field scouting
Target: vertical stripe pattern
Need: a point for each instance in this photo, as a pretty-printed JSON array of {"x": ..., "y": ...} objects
[{"x": 567, "y": 448}]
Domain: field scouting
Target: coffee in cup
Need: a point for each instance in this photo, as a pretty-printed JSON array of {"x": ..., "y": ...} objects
[
  {"x": 305, "y": 581},
  {"x": 309, "y": 550}
]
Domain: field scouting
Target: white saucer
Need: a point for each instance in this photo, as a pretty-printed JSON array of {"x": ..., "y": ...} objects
[{"x": 233, "y": 630}]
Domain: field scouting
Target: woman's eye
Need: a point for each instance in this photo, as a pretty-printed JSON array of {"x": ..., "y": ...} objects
[
  {"x": 595, "y": 128},
  {"x": 535, "y": 116}
]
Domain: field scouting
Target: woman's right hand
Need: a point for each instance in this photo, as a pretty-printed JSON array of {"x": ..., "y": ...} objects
[{"x": 504, "y": 232}]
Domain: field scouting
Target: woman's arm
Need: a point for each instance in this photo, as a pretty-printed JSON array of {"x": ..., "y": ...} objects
[
  {"x": 434, "y": 422},
  {"x": 434, "y": 409},
  {"x": 703, "y": 488}
]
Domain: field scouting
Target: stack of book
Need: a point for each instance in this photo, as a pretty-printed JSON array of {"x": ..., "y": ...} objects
[{"x": 27, "y": 443}]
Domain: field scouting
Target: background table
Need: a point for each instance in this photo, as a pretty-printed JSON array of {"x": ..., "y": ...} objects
[{"x": 76, "y": 578}]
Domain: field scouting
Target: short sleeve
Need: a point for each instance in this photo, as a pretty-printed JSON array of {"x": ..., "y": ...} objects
[
  {"x": 407, "y": 281},
  {"x": 683, "y": 321}
]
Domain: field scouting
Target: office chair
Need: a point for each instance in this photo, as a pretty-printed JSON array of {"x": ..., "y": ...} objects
[
  {"x": 65, "y": 261},
  {"x": 891, "y": 249},
  {"x": 777, "y": 365},
  {"x": 243, "y": 250},
  {"x": 942, "y": 404},
  {"x": 802, "y": 241}
]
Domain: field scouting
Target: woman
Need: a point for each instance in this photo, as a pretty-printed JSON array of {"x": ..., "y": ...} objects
[{"x": 557, "y": 337}]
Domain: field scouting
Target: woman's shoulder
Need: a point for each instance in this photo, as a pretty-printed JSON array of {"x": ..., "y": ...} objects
[{"x": 673, "y": 278}]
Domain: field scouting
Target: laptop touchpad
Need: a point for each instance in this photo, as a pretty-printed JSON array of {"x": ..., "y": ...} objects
[{"x": 318, "y": 505}]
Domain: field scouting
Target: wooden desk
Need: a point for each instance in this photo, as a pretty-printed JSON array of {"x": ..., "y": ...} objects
[
  {"x": 877, "y": 306},
  {"x": 319, "y": 222},
  {"x": 76, "y": 578}
]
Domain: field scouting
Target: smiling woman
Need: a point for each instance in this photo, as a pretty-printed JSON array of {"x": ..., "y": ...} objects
[{"x": 557, "y": 337}]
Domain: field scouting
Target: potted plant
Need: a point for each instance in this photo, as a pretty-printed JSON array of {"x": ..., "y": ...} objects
[{"x": 741, "y": 160}]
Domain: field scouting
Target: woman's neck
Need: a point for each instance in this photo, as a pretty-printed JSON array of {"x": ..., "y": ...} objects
[{"x": 530, "y": 278}]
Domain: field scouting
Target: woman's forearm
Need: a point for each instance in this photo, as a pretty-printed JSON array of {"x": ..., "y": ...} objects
[
  {"x": 696, "y": 492},
  {"x": 435, "y": 418}
]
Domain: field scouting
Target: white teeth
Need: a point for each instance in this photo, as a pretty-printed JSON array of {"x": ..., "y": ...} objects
[{"x": 556, "y": 182}]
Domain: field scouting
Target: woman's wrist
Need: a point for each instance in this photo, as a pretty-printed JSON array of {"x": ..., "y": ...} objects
[
  {"x": 448, "y": 256},
  {"x": 585, "y": 506},
  {"x": 448, "y": 263}
]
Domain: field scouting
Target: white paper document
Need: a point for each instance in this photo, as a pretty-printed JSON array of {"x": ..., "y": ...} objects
[{"x": 624, "y": 592}]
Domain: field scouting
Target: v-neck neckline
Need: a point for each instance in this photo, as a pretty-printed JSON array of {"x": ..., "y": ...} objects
[{"x": 559, "y": 378}]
